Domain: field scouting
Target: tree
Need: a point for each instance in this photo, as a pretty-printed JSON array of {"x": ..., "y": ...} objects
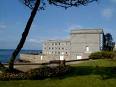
[
  {"x": 36, "y": 5},
  {"x": 109, "y": 44}
]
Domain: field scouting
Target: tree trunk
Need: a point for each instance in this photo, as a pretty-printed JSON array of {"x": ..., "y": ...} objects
[{"x": 24, "y": 35}]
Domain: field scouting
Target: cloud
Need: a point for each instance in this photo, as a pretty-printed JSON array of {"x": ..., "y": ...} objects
[
  {"x": 74, "y": 26},
  {"x": 33, "y": 40},
  {"x": 113, "y": 1},
  {"x": 34, "y": 26},
  {"x": 37, "y": 40},
  {"x": 2, "y": 26},
  {"x": 107, "y": 13}
]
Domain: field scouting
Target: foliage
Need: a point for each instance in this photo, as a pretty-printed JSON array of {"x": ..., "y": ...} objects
[
  {"x": 102, "y": 55},
  {"x": 35, "y": 74},
  {"x": 12, "y": 76},
  {"x": 108, "y": 42},
  {"x": 114, "y": 54},
  {"x": 35, "y": 5},
  {"x": 1, "y": 65},
  {"x": 61, "y": 3},
  {"x": 93, "y": 73},
  {"x": 41, "y": 73}
]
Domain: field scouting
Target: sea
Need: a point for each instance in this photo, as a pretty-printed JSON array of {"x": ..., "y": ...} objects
[{"x": 5, "y": 54}]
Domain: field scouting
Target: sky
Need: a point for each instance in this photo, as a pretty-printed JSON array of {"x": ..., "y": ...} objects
[{"x": 53, "y": 22}]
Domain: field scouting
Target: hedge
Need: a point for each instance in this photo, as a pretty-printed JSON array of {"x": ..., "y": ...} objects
[
  {"x": 36, "y": 74},
  {"x": 102, "y": 55}
]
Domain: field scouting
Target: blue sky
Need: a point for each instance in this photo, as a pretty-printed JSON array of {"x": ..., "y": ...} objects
[{"x": 52, "y": 23}]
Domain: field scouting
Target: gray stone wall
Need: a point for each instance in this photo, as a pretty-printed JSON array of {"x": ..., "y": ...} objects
[
  {"x": 84, "y": 42},
  {"x": 56, "y": 47},
  {"x": 79, "y": 42},
  {"x": 45, "y": 58}
]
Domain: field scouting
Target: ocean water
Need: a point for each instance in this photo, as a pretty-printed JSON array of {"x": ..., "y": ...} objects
[{"x": 5, "y": 54}]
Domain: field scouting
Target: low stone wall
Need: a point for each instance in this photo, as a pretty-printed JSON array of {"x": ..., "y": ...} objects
[
  {"x": 45, "y": 58},
  {"x": 41, "y": 58}
]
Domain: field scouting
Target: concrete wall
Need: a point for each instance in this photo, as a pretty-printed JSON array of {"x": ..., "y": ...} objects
[
  {"x": 44, "y": 59},
  {"x": 79, "y": 42},
  {"x": 56, "y": 47},
  {"x": 84, "y": 42}
]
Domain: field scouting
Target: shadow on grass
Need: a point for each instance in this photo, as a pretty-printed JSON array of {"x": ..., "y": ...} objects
[{"x": 103, "y": 72}]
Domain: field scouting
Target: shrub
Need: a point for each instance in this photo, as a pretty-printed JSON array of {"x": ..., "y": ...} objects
[
  {"x": 35, "y": 74},
  {"x": 102, "y": 55},
  {"x": 45, "y": 72},
  {"x": 38, "y": 73},
  {"x": 12, "y": 76},
  {"x": 1, "y": 65}
]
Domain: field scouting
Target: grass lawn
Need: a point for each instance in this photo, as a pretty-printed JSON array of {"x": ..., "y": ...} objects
[{"x": 99, "y": 73}]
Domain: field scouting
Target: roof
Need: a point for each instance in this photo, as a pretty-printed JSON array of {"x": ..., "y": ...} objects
[
  {"x": 87, "y": 31},
  {"x": 57, "y": 41}
]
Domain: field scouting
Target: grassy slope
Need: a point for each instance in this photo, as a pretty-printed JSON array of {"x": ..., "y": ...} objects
[{"x": 98, "y": 73}]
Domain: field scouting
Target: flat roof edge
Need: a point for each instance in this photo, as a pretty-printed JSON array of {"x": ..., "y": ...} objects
[{"x": 87, "y": 31}]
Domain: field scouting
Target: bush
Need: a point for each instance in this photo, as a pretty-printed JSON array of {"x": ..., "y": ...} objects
[
  {"x": 36, "y": 74},
  {"x": 102, "y": 55},
  {"x": 12, "y": 76},
  {"x": 45, "y": 72},
  {"x": 39, "y": 73},
  {"x": 1, "y": 65}
]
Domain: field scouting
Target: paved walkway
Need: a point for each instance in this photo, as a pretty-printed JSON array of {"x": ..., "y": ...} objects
[{"x": 26, "y": 67}]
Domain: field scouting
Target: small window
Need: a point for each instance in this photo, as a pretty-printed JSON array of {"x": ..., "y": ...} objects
[
  {"x": 49, "y": 47},
  {"x": 87, "y": 49}
]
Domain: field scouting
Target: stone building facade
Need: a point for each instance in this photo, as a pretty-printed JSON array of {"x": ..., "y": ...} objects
[
  {"x": 82, "y": 42},
  {"x": 57, "y": 47},
  {"x": 85, "y": 41}
]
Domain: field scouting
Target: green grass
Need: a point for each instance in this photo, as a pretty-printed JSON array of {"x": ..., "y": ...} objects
[{"x": 98, "y": 73}]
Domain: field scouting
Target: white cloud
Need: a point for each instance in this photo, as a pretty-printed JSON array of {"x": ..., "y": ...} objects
[
  {"x": 113, "y": 1},
  {"x": 34, "y": 26},
  {"x": 2, "y": 26},
  {"x": 33, "y": 40},
  {"x": 74, "y": 26},
  {"x": 107, "y": 13}
]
